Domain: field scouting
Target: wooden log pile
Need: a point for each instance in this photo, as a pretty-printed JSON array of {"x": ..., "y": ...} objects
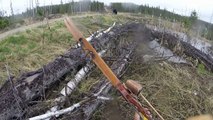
[
  {"x": 101, "y": 88},
  {"x": 118, "y": 68},
  {"x": 15, "y": 96}
]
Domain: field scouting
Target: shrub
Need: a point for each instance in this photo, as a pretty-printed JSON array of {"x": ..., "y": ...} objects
[{"x": 3, "y": 23}]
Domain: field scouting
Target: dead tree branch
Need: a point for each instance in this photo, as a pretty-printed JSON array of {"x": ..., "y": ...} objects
[{"x": 171, "y": 41}]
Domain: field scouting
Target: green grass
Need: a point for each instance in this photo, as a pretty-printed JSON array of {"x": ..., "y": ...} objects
[
  {"x": 201, "y": 69},
  {"x": 98, "y": 22},
  {"x": 58, "y": 25},
  {"x": 12, "y": 45},
  {"x": 177, "y": 92},
  {"x": 4, "y": 49},
  {"x": 19, "y": 40},
  {"x": 32, "y": 45},
  {"x": 31, "y": 49},
  {"x": 28, "y": 31}
]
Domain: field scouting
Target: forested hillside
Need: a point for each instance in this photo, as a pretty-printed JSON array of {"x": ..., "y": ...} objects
[
  {"x": 71, "y": 7},
  {"x": 191, "y": 22}
]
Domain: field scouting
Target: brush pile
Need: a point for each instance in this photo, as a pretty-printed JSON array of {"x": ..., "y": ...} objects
[{"x": 17, "y": 96}]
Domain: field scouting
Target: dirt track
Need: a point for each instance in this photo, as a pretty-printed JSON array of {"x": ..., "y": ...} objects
[{"x": 23, "y": 28}]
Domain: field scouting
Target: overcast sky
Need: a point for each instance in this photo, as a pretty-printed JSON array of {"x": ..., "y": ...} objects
[{"x": 183, "y": 7}]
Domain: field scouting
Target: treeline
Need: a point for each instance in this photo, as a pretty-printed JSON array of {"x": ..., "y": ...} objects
[
  {"x": 191, "y": 22},
  {"x": 70, "y": 8},
  {"x": 157, "y": 12},
  {"x": 124, "y": 7},
  {"x": 145, "y": 9},
  {"x": 39, "y": 12}
]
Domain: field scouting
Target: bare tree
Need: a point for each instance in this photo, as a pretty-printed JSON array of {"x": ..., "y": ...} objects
[
  {"x": 51, "y": 9},
  {"x": 37, "y": 5},
  {"x": 11, "y": 9},
  {"x": 80, "y": 3},
  {"x": 73, "y": 6},
  {"x": 33, "y": 12},
  {"x": 2, "y": 13}
]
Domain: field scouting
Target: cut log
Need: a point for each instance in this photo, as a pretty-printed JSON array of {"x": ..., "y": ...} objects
[
  {"x": 32, "y": 85},
  {"x": 71, "y": 85}
]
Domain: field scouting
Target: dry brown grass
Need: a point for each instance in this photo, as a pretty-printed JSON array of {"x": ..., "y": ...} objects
[{"x": 177, "y": 91}]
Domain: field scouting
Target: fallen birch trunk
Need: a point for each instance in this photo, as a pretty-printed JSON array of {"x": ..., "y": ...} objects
[{"x": 72, "y": 84}]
